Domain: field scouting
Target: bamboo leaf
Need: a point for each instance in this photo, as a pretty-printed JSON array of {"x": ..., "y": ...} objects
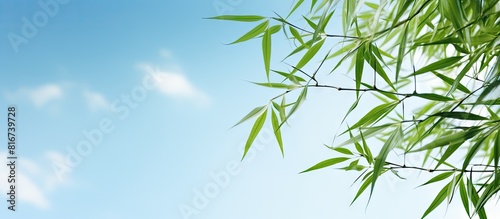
[
  {"x": 277, "y": 131},
  {"x": 374, "y": 115},
  {"x": 360, "y": 61},
  {"x": 240, "y": 18},
  {"x": 256, "y": 111},
  {"x": 363, "y": 186},
  {"x": 438, "y": 178},
  {"x": 401, "y": 52},
  {"x": 253, "y": 32},
  {"x": 394, "y": 140},
  {"x": 326, "y": 163},
  {"x": 435, "y": 97},
  {"x": 296, "y": 34},
  {"x": 438, "y": 200},
  {"x": 259, "y": 122},
  {"x": 443, "y": 63},
  {"x": 266, "y": 51},
  {"x": 309, "y": 55},
  {"x": 343, "y": 151},
  {"x": 460, "y": 115},
  {"x": 297, "y": 5},
  {"x": 464, "y": 197},
  {"x": 456, "y": 138},
  {"x": 368, "y": 152},
  {"x": 450, "y": 81}
]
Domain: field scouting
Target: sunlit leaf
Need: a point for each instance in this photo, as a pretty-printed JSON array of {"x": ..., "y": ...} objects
[
  {"x": 443, "y": 63},
  {"x": 266, "y": 51},
  {"x": 309, "y": 55},
  {"x": 277, "y": 131},
  {"x": 253, "y": 32},
  {"x": 456, "y": 138},
  {"x": 255, "y": 112},
  {"x": 259, "y": 122},
  {"x": 326, "y": 163}
]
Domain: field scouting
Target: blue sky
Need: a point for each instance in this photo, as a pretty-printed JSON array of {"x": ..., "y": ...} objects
[{"x": 88, "y": 68}]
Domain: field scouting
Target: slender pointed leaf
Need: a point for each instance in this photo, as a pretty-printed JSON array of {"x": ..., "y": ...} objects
[
  {"x": 326, "y": 163},
  {"x": 259, "y": 122}
]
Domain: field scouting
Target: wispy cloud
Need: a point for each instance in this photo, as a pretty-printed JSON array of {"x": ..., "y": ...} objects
[
  {"x": 39, "y": 96},
  {"x": 174, "y": 83},
  {"x": 96, "y": 101},
  {"x": 35, "y": 179}
]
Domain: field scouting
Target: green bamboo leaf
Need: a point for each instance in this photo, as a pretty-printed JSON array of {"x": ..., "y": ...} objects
[
  {"x": 372, "y": 60},
  {"x": 293, "y": 78},
  {"x": 311, "y": 24},
  {"x": 312, "y": 4},
  {"x": 266, "y": 51},
  {"x": 282, "y": 111},
  {"x": 363, "y": 186},
  {"x": 255, "y": 112},
  {"x": 493, "y": 115},
  {"x": 460, "y": 115},
  {"x": 253, "y": 32},
  {"x": 343, "y": 49},
  {"x": 326, "y": 163},
  {"x": 464, "y": 71},
  {"x": 473, "y": 151},
  {"x": 296, "y": 34},
  {"x": 259, "y": 122},
  {"x": 299, "y": 2},
  {"x": 368, "y": 152},
  {"x": 443, "y": 63},
  {"x": 401, "y": 52},
  {"x": 438, "y": 178},
  {"x": 369, "y": 132},
  {"x": 343, "y": 151},
  {"x": 276, "y": 85},
  {"x": 353, "y": 106},
  {"x": 360, "y": 62},
  {"x": 240, "y": 18},
  {"x": 474, "y": 197},
  {"x": 449, "y": 151},
  {"x": 489, "y": 192},
  {"x": 488, "y": 89},
  {"x": 438, "y": 200},
  {"x": 496, "y": 156},
  {"x": 374, "y": 115},
  {"x": 456, "y": 138},
  {"x": 274, "y": 29},
  {"x": 435, "y": 97},
  {"x": 296, "y": 105},
  {"x": 403, "y": 6},
  {"x": 450, "y": 81},
  {"x": 300, "y": 48},
  {"x": 348, "y": 9},
  {"x": 464, "y": 197},
  {"x": 395, "y": 139},
  {"x": 277, "y": 131},
  {"x": 309, "y": 55},
  {"x": 320, "y": 25}
]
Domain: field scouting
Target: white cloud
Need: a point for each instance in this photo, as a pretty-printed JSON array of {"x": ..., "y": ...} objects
[
  {"x": 34, "y": 179},
  {"x": 176, "y": 85},
  {"x": 95, "y": 101},
  {"x": 38, "y": 96}
]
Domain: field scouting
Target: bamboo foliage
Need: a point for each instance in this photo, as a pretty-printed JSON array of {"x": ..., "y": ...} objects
[{"x": 460, "y": 44}]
